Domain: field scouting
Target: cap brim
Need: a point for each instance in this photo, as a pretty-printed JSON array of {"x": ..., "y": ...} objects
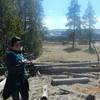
[{"x": 20, "y": 42}]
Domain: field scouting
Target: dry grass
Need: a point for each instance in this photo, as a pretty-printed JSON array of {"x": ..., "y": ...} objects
[
  {"x": 88, "y": 90},
  {"x": 53, "y": 52}
]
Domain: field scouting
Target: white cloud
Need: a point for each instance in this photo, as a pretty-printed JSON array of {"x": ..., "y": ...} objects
[
  {"x": 48, "y": 22},
  {"x": 60, "y": 22},
  {"x": 98, "y": 23},
  {"x": 55, "y": 23},
  {"x": 98, "y": 19},
  {"x": 64, "y": 20},
  {"x": 97, "y": 26}
]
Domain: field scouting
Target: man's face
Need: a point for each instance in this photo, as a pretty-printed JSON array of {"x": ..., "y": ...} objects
[{"x": 17, "y": 46}]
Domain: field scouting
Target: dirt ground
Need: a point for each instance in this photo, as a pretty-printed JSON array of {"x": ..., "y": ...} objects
[
  {"x": 64, "y": 92},
  {"x": 57, "y": 53}
]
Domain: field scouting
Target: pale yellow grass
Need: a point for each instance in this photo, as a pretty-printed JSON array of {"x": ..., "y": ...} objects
[{"x": 53, "y": 52}]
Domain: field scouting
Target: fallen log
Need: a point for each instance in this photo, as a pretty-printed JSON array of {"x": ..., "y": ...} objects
[
  {"x": 66, "y": 62},
  {"x": 45, "y": 93},
  {"x": 78, "y": 64},
  {"x": 69, "y": 81},
  {"x": 62, "y": 70},
  {"x": 59, "y": 76},
  {"x": 82, "y": 75},
  {"x": 74, "y": 75},
  {"x": 76, "y": 69}
]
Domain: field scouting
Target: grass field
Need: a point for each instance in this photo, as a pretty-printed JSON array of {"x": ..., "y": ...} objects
[{"x": 56, "y": 52}]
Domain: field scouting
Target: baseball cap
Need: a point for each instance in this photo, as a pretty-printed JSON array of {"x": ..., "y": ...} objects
[{"x": 16, "y": 39}]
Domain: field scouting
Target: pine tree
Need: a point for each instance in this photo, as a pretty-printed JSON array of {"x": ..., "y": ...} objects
[
  {"x": 22, "y": 18},
  {"x": 73, "y": 17},
  {"x": 32, "y": 15},
  {"x": 89, "y": 21},
  {"x": 9, "y": 22}
]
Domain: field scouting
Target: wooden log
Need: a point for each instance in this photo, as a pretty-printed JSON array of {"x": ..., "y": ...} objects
[
  {"x": 69, "y": 81},
  {"x": 59, "y": 70},
  {"x": 66, "y": 62},
  {"x": 45, "y": 93},
  {"x": 78, "y": 61},
  {"x": 76, "y": 69},
  {"x": 59, "y": 76},
  {"x": 2, "y": 83},
  {"x": 80, "y": 64},
  {"x": 74, "y": 75},
  {"x": 63, "y": 70}
]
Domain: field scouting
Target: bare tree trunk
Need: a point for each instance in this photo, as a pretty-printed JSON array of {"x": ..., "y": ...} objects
[
  {"x": 90, "y": 41},
  {"x": 97, "y": 53},
  {"x": 73, "y": 44},
  {"x": 90, "y": 37}
]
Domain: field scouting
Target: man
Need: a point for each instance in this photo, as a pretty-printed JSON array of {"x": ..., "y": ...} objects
[{"x": 16, "y": 80}]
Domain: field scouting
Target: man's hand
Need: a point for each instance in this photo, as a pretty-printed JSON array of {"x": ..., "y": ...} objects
[{"x": 27, "y": 62}]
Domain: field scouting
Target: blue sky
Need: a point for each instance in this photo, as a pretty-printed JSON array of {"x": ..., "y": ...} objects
[{"x": 55, "y": 11}]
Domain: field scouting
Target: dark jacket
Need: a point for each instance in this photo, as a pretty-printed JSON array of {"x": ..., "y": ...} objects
[{"x": 16, "y": 73}]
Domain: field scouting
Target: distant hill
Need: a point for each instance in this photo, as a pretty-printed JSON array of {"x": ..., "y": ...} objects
[
  {"x": 57, "y": 32},
  {"x": 62, "y": 34}
]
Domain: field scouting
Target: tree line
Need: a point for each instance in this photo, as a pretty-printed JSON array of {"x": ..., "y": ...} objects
[
  {"x": 22, "y": 18},
  {"x": 78, "y": 24}
]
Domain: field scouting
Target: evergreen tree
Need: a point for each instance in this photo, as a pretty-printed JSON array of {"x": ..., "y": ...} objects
[
  {"x": 10, "y": 24},
  {"x": 22, "y": 18},
  {"x": 32, "y": 15},
  {"x": 73, "y": 17},
  {"x": 89, "y": 21}
]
